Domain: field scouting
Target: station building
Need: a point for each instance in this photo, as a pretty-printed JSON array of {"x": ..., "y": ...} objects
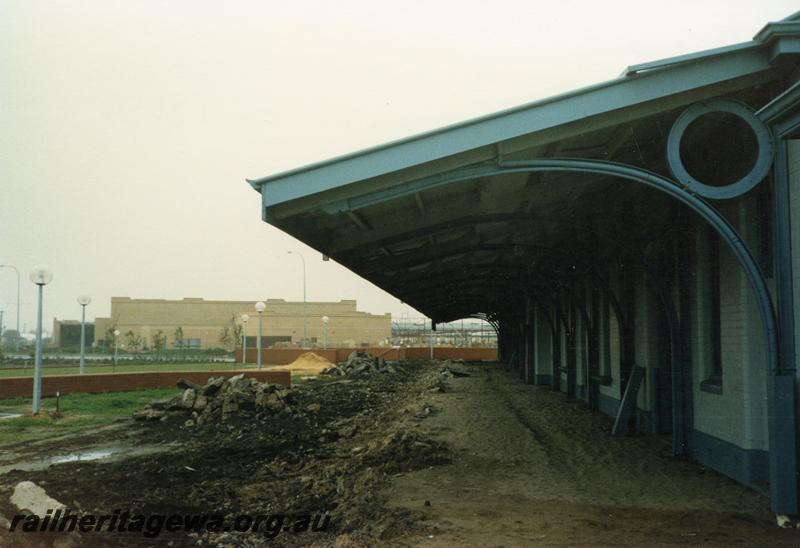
[
  {"x": 634, "y": 244},
  {"x": 196, "y": 323}
]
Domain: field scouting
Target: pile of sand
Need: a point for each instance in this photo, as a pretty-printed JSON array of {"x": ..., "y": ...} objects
[{"x": 309, "y": 363}]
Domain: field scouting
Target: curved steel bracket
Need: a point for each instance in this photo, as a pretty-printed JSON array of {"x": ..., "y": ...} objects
[{"x": 717, "y": 222}]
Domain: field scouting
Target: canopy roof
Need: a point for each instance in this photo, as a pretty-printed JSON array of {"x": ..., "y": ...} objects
[{"x": 459, "y": 246}]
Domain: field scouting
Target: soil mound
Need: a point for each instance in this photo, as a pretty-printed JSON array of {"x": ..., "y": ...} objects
[{"x": 308, "y": 362}]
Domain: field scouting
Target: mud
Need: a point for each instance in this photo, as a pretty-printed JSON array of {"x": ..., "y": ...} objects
[{"x": 326, "y": 447}]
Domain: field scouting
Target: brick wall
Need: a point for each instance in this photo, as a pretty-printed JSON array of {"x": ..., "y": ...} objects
[{"x": 120, "y": 382}]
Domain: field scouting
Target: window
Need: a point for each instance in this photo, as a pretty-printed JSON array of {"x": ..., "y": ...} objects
[
  {"x": 188, "y": 343},
  {"x": 604, "y": 339}
]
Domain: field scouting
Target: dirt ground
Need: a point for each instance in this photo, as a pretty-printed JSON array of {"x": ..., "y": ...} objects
[
  {"x": 531, "y": 467},
  {"x": 409, "y": 456}
]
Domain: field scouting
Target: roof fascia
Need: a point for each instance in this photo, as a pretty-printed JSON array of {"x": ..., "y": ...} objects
[
  {"x": 782, "y": 37},
  {"x": 689, "y": 57},
  {"x": 540, "y": 115},
  {"x": 783, "y": 112}
]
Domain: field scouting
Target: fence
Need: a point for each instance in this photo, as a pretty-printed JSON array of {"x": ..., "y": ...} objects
[{"x": 120, "y": 382}]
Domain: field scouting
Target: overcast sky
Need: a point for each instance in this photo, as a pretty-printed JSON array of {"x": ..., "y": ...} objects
[{"x": 128, "y": 127}]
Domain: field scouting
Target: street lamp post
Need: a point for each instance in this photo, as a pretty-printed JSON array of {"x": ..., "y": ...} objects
[
  {"x": 41, "y": 277},
  {"x": 245, "y": 319},
  {"x": 325, "y": 320},
  {"x": 83, "y": 300},
  {"x": 432, "y": 328},
  {"x": 18, "y": 333},
  {"x": 116, "y": 346},
  {"x": 305, "y": 309},
  {"x": 260, "y": 306}
]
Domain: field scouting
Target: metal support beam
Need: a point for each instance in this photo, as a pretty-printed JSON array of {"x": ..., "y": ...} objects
[
  {"x": 358, "y": 219},
  {"x": 420, "y": 203},
  {"x": 628, "y": 403},
  {"x": 783, "y": 471}
]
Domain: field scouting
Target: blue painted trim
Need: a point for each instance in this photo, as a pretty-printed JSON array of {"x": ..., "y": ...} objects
[
  {"x": 780, "y": 108},
  {"x": 782, "y": 444},
  {"x": 757, "y": 174},
  {"x": 580, "y": 391},
  {"x": 607, "y": 405},
  {"x": 689, "y": 58},
  {"x": 645, "y": 421},
  {"x": 543, "y": 379},
  {"x": 747, "y": 466}
]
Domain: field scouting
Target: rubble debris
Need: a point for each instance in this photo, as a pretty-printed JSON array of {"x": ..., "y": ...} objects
[
  {"x": 186, "y": 383},
  {"x": 422, "y": 411},
  {"x": 440, "y": 383},
  {"x": 330, "y": 445},
  {"x": 219, "y": 400},
  {"x": 402, "y": 451},
  {"x": 166, "y": 404},
  {"x": 361, "y": 364},
  {"x": 29, "y": 496},
  {"x": 149, "y": 414},
  {"x": 455, "y": 371}
]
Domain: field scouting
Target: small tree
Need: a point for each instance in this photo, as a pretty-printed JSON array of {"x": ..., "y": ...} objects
[
  {"x": 10, "y": 337},
  {"x": 159, "y": 341},
  {"x": 133, "y": 341},
  {"x": 179, "y": 337},
  {"x": 238, "y": 329},
  {"x": 226, "y": 337},
  {"x": 108, "y": 337}
]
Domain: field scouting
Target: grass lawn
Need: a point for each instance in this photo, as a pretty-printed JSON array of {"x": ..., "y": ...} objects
[
  {"x": 127, "y": 368},
  {"x": 80, "y": 412}
]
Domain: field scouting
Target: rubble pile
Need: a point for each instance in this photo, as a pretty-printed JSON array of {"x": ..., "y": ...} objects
[
  {"x": 447, "y": 371},
  {"x": 326, "y": 445},
  {"x": 360, "y": 364},
  {"x": 403, "y": 450},
  {"x": 220, "y": 399}
]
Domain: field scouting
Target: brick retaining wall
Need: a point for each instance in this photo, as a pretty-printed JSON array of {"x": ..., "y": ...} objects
[
  {"x": 120, "y": 382},
  {"x": 283, "y": 356}
]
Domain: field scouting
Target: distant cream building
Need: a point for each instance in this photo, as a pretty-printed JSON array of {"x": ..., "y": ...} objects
[{"x": 198, "y": 323}]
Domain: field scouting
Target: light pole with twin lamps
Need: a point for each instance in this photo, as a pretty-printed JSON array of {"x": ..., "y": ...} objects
[
  {"x": 83, "y": 300},
  {"x": 325, "y": 320},
  {"x": 245, "y": 319},
  {"x": 260, "y": 306},
  {"x": 41, "y": 277}
]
